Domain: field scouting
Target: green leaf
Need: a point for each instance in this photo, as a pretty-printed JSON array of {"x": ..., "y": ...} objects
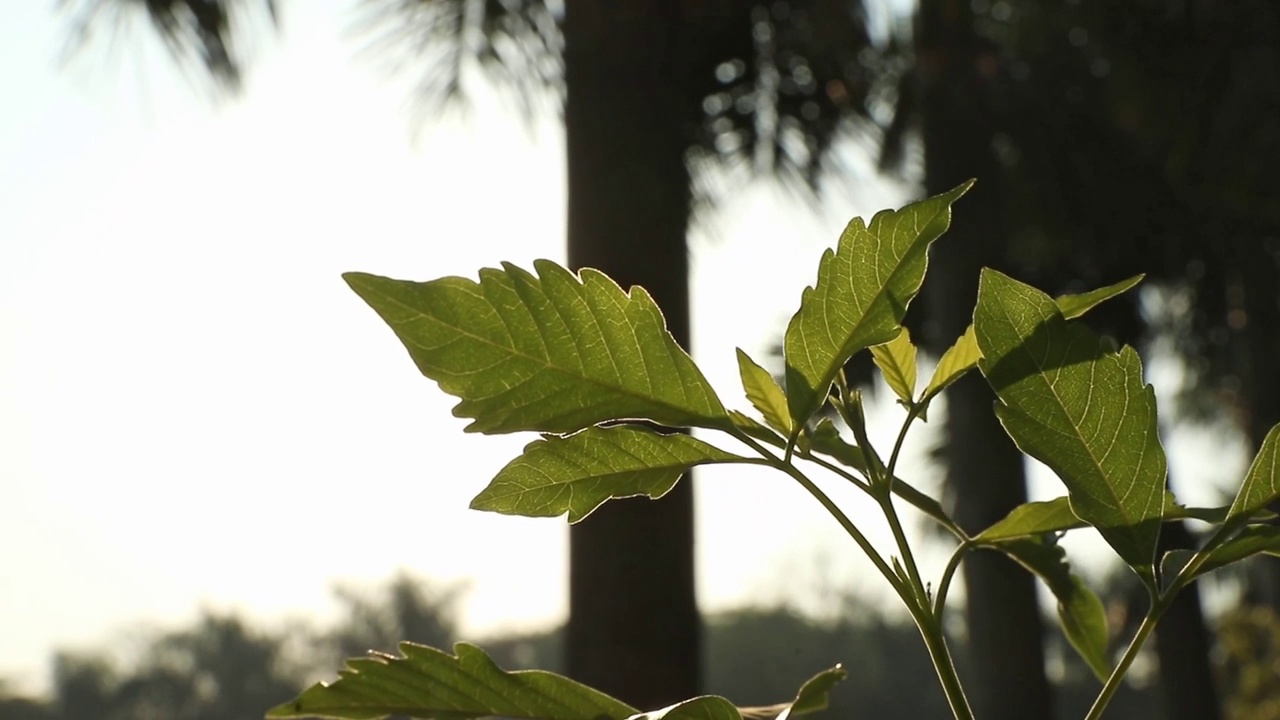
[
  {"x": 1261, "y": 485},
  {"x": 897, "y": 362},
  {"x": 1079, "y": 409},
  {"x": 578, "y": 473},
  {"x": 861, "y": 294},
  {"x": 1253, "y": 540},
  {"x": 1033, "y": 518},
  {"x": 813, "y": 696},
  {"x": 764, "y": 394},
  {"x": 1073, "y": 306},
  {"x": 1080, "y": 612},
  {"x": 1051, "y": 516},
  {"x": 429, "y": 683},
  {"x": 707, "y": 707},
  {"x": 959, "y": 359},
  {"x": 550, "y": 353}
]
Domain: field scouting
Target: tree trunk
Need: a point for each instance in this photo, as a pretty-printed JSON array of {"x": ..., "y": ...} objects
[
  {"x": 1006, "y": 672},
  {"x": 633, "y": 627}
]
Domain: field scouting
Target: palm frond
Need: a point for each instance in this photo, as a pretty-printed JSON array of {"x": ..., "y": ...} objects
[
  {"x": 203, "y": 34},
  {"x": 517, "y": 43}
]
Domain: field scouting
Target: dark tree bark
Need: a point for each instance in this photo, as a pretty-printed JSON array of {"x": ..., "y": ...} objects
[
  {"x": 1006, "y": 675},
  {"x": 633, "y": 627}
]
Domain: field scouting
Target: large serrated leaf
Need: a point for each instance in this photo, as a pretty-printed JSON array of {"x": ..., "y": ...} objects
[
  {"x": 897, "y": 362},
  {"x": 1079, "y": 409},
  {"x": 860, "y": 297},
  {"x": 578, "y": 473},
  {"x": 1261, "y": 485},
  {"x": 764, "y": 394},
  {"x": 959, "y": 359},
  {"x": 1080, "y": 612},
  {"x": 550, "y": 353},
  {"x": 428, "y": 683},
  {"x": 1073, "y": 306}
]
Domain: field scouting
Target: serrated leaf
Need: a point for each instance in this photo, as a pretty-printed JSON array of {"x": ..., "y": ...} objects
[
  {"x": 1261, "y": 485},
  {"x": 1073, "y": 306},
  {"x": 814, "y": 696},
  {"x": 1080, "y": 612},
  {"x": 959, "y": 359},
  {"x": 897, "y": 362},
  {"x": 1253, "y": 540},
  {"x": 860, "y": 297},
  {"x": 764, "y": 394},
  {"x": 1079, "y": 409},
  {"x": 578, "y": 473},
  {"x": 428, "y": 683},
  {"x": 549, "y": 353}
]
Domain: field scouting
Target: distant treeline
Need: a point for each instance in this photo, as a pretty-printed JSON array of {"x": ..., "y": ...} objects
[{"x": 225, "y": 668}]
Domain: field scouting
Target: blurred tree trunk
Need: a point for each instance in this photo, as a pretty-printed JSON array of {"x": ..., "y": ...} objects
[
  {"x": 633, "y": 627},
  {"x": 1006, "y": 671}
]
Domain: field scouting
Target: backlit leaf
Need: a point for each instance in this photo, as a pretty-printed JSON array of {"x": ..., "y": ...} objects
[
  {"x": 959, "y": 359},
  {"x": 1073, "y": 306},
  {"x": 707, "y": 707},
  {"x": 764, "y": 394},
  {"x": 1079, "y": 409},
  {"x": 427, "y": 683},
  {"x": 578, "y": 473},
  {"x": 1051, "y": 516},
  {"x": 1261, "y": 485},
  {"x": 1080, "y": 612},
  {"x": 860, "y": 297},
  {"x": 812, "y": 697},
  {"x": 897, "y": 362},
  {"x": 550, "y": 353},
  {"x": 1252, "y": 540}
]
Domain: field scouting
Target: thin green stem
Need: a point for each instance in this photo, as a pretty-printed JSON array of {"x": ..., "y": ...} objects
[
  {"x": 832, "y": 467},
  {"x": 912, "y": 413},
  {"x": 936, "y": 643},
  {"x": 1130, "y": 654},
  {"x": 944, "y": 585}
]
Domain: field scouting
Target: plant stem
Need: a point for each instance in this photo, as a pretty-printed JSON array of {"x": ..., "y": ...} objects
[
  {"x": 944, "y": 585},
  {"x": 1130, "y": 654},
  {"x": 935, "y": 641}
]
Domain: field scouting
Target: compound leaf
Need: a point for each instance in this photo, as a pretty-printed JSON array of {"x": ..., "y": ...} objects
[
  {"x": 424, "y": 682},
  {"x": 578, "y": 473},
  {"x": 897, "y": 362},
  {"x": 764, "y": 394},
  {"x": 555, "y": 352},
  {"x": 860, "y": 297},
  {"x": 1261, "y": 484},
  {"x": 1073, "y": 306},
  {"x": 1080, "y": 612},
  {"x": 1079, "y": 409}
]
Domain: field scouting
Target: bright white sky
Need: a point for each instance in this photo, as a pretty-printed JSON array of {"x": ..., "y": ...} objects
[{"x": 195, "y": 410}]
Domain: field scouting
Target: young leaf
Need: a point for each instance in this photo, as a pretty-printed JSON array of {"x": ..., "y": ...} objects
[
  {"x": 1080, "y": 410},
  {"x": 959, "y": 359},
  {"x": 1253, "y": 540},
  {"x": 1031, "y": 519},
  {"x": 1073, "y": 306},
  {"x": 1261, "y": 484},
  {"x": 897, "y": 362},
  {"x": 814, "y": 696},
  {"x": 427, "y": 683},
  {"x": 764, "y": 394},
  {"x": 550, "y": 353},
  {"x": 862, "y": 292},
  {"x": 1080, "y": 612},
  {"x": 578, "y": 473},
  {"x": 756, "y": 429}
]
